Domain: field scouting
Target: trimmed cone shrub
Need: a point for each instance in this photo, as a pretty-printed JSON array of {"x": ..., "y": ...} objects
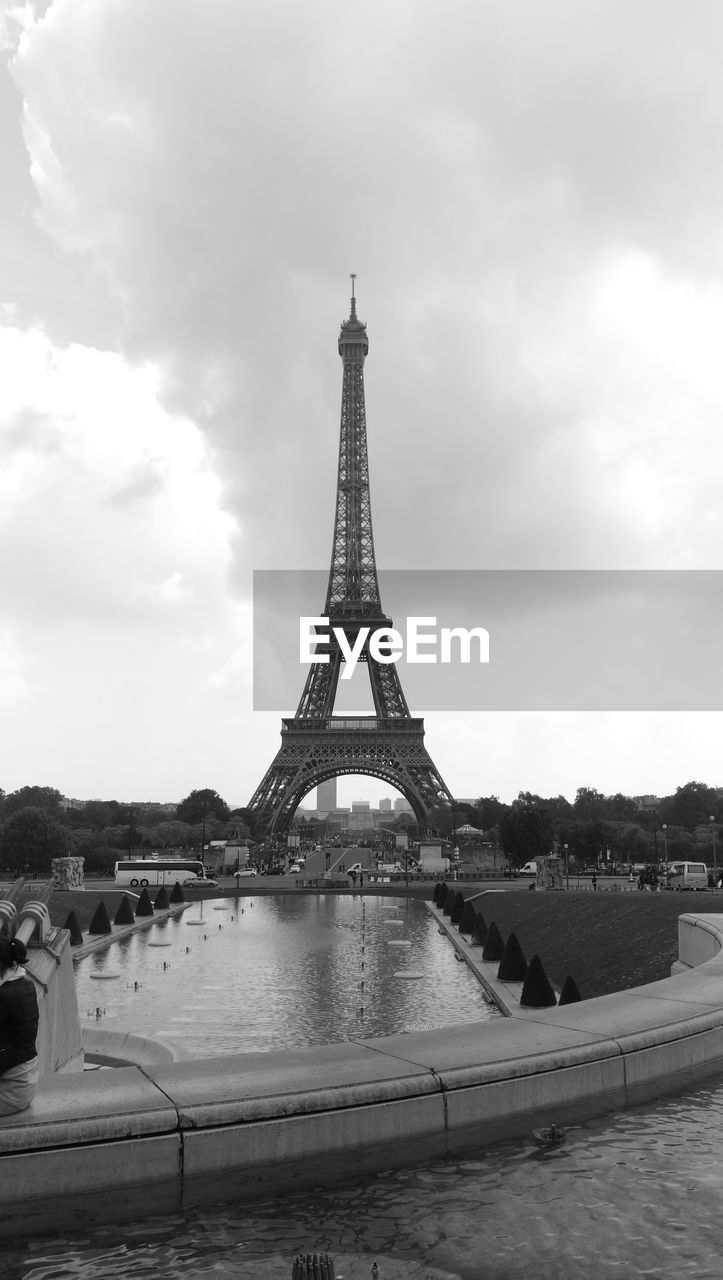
[
  {"x": 513, "y": 966},
  {"x": 101, "y": 920},
  {"x": 124, "y": 914},
  {"x": 479, "y": 930},
  {"x": 467, "y": 918},
  {"x": 177, "y": 893},
  {"x": 443, "y": 892},
  {"x": 537, "y": 993},
  {"x": 569, "y": 993},
  {"x": 457, "y": 908},
  {"x": 144, "y": 906},
  {"x": 437, "y": 890},
  {"x": 161, "y": 902},
  {"x": 73, "y": 928},
  {"x": 449, "y": 903},
  {"x": 494, "y": 944}
]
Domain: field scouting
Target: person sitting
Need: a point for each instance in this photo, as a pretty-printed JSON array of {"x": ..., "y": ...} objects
[{"x": 18, "y": 1030}]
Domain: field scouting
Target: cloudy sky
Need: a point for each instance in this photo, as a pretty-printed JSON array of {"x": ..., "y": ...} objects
[{"x": 531, "y": 195}]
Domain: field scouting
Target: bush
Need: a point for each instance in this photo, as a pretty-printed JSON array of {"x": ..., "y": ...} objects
[
  {"x": 513, "y": 966},
  {"x": 457, "y": 908},
  {"x": 537, "y": 992},
  {"x": 494, "y": 944},
  {"x": 569, "y": 993},
  {"x": 467, "y": 918},
  {"x": 479, "y": 930}
]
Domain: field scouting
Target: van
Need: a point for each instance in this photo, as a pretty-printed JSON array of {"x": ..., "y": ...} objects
[
  {"x": 688, "y": 875},
  {"x": 529, "y": 869}
]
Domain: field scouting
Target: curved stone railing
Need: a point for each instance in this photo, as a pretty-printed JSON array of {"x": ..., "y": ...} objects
[{"x": 164, "y": 1136}]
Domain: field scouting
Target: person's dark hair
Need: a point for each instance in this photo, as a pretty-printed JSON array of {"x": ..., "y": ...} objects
[{"x": 12, "y": 951}]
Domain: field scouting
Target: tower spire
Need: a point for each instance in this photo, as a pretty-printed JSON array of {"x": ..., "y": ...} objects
[{"x": 353, "y": 299}]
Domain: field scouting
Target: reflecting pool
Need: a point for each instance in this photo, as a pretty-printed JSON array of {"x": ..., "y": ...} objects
[
  {"x": 634, "y": 1194},
  {"x": 251, "y": 974}
]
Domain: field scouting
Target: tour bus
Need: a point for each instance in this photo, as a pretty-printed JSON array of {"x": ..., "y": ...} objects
[{"x": 144, "y": 871}]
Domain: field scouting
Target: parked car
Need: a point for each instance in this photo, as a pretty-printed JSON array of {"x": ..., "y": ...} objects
[
  {"x": 200, "y": 882},
  {"x": 529, "y": 869},
  {"x": 294, "y": 869},
  {"x": 245, "y": 871}
]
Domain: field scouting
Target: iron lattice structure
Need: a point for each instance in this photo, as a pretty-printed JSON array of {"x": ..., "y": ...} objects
[{"x": 315, "y": 744}]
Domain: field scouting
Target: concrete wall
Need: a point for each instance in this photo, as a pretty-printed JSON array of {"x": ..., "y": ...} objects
[
  {"x": 107, "y": 1145},
  {"x": 59, "y": 1037}
]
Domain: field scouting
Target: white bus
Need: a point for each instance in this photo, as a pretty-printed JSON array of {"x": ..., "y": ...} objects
[{"x": 145, "y": 871}]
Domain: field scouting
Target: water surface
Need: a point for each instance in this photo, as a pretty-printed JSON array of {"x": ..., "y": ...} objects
[
  {"x": 253, "y": 974},
  {"x": 631, "y": 1195}
]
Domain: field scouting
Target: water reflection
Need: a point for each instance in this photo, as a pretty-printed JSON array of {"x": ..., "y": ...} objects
[{"x": 265, "y": 973}]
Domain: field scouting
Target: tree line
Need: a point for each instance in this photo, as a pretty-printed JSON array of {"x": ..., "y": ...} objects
[{"x": 35, "y": 827}]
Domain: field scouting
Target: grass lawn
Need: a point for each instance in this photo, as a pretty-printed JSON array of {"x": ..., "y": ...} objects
[
  {"x": 606, "y": 941},
  {"x": 63, "y": 901}
]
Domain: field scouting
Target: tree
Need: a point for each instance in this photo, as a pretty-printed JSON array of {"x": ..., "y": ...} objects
[
  {"x": 246, "y": 820},
  {"x": 526, "y": 832},
  {"x": 33, "y": 798},
  {"x": 31, "y": 838},
  {"x": 172, "y": 835},
  {"x": 488, "y": 811},
  {"x": 200, "y": 804},
  {"x": 590, "y": 804},
  {"x": 691, "y": 806},
  {"x": 101, "y": 813}
]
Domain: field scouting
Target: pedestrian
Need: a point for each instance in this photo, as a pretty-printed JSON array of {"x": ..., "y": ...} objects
[
  {"x": 594, "y": 881},
  {"x": 18, "y": 1029}
]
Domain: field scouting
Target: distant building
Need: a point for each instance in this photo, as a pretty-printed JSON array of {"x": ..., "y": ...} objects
[
  {"x": 402, "y": 806},
  {"x": 385, "y": 804},
  {"x": 326, "y": 796}
]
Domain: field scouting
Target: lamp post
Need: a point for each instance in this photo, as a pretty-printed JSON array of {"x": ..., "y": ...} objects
[
  {"x": 655, "y": 841},
  {"x": 444, "y": 797},
  {"x": 567, "y": 865},
  {"x": 664, "y": 830},
  {"x": 715, "y": 856}
]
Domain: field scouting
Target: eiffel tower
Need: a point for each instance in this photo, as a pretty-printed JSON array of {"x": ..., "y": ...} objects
[{"x": 315, "y": 744}]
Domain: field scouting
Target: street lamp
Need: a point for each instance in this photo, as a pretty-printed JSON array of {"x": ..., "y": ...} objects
[
  {"x": 449, "y": 799},
  {"x": 664, "y": 830},
  {"x": 715, "y": 857},
  {"x": 567, "y": 866}
]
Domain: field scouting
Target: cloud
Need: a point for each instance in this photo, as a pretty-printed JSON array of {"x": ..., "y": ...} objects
[
  {"x": 530, "y": 195},
  {"x": 490, "y": 172}
]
